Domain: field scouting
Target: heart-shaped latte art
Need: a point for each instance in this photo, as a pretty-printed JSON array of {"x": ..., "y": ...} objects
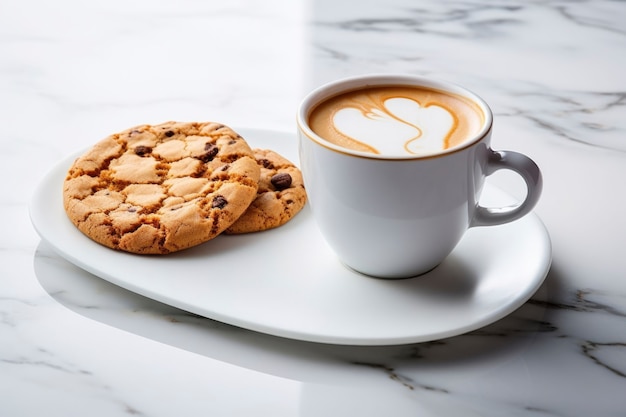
[{"x": 403, "y": 126}]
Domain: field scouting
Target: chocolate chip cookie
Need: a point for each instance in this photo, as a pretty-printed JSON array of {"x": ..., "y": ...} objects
[
  {"x": 281, "y": 195},
  {"x": 156, "y": 189}
]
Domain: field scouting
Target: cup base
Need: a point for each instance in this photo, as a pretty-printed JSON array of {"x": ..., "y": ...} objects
[{"x": 389, "y": 276}]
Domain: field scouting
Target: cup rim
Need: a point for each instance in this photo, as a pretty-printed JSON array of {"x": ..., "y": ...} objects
[{"x": 342, "y": 85}]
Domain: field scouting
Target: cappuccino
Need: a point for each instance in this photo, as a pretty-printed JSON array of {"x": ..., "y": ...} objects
[{"x": 397, "y": 120}]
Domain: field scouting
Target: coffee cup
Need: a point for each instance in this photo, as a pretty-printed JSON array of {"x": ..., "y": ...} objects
[{"x": 394, "y": 166}]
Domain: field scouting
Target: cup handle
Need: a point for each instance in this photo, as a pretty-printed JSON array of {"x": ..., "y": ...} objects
[{"x": 528, "y": 170}]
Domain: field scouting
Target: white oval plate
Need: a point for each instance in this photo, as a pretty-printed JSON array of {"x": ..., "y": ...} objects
[{"x": 287, "y": 282}]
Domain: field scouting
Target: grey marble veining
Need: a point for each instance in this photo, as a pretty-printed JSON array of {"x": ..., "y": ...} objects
[
  {"x": 527, "y": 55},
  {"x": 553, "y": 73}
]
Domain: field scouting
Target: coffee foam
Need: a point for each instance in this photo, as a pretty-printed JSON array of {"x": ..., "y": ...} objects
[{"x": 397, "y": 121}]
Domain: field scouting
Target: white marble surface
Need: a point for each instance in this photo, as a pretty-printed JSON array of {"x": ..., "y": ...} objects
[{"x": 553, "y": 72}]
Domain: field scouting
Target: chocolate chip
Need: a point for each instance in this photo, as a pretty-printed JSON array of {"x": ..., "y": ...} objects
[
  {"x": 212, "y": 151},
  {"x": 169, "y": 133},
  {"x": 143, "y": 150},
  {"x": 281, "y": 181},
  {"x": 132, "y": 209},
  {"x": 219, "y": 202},
  {"x": 266, "y": 163}
]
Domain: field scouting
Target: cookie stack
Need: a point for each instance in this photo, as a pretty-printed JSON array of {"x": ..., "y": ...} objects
[{"x": 157, "y": 189}]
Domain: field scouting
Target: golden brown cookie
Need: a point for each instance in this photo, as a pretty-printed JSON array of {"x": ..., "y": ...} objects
[
  {"x": 281, "y": 195},
  {"x": 159, "y": 189}
]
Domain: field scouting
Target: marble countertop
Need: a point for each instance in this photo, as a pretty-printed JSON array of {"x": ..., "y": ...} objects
[{"x": 72, "y": 72}]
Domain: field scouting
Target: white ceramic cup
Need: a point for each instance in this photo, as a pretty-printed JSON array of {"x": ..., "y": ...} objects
[{"x": 401, "y": 216}]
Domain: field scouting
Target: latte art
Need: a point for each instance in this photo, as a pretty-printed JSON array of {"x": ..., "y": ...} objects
[
  {"x": 397, "y": 121},
  {"x": 400, "y": 126}
]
